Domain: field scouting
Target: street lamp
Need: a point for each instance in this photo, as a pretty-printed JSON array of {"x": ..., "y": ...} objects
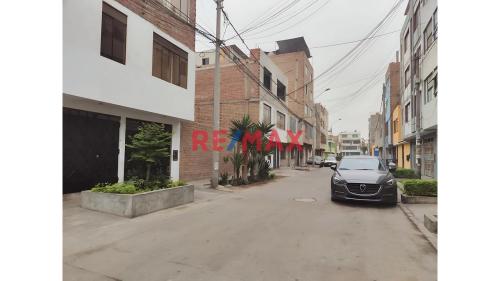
[{"x": 326, "y": 90}]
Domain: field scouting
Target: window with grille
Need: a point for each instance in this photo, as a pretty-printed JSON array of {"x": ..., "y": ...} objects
[
  {"x": 267, "y": 78},
  {"x": 281, "y": 120},
  {"x": 113, "y": 34},
  {"x": 169, "y": 62},
  {"x": 428, "y": 35},
  {"x": 281, "y": 91},
  {"x": 293, "y": 124},
  {"x": 429, "y": 89},
  {"x": 267, "y": 114}
]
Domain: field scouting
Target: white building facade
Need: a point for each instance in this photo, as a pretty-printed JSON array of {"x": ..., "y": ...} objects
[
  {"x": 350, "y": 143},
  {"x": 419, "y": 81},
  {"x": 120, "y": 71}
]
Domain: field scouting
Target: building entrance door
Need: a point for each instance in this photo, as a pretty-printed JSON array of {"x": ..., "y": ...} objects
[{"x": 90, "y": 149}]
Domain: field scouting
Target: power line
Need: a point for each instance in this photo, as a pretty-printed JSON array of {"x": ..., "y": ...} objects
[
  {"x": 288, "y": 19},
  {"x": 350, "y": 42},
  {"x": 295, "y": 24},
  {"x": 354, "y": 49},
  {"x": 266, "y": 20}
]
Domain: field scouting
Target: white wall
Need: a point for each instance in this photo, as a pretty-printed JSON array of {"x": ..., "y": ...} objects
[
  {"x": 276, "y": 72},
  {"x": 274, "y": 119},
  {"x": 205, "y": 54},
  {"x": 88, "y": 75},
  {"x": 429, "y": 109},
  {"x": 273, "y": 101},
  {"x": 429, "y": 65}
]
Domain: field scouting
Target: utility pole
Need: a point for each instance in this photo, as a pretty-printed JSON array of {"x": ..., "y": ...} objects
[{"x": 216, "y": 109}]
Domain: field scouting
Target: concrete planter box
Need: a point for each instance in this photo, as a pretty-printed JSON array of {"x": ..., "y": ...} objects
[
  {"x": 418, "y": 199},
  {"x": 431, "y": 223},
  {"x": 133, "y": 205}
]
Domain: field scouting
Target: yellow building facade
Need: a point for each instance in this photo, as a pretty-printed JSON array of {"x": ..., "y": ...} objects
[{"x": 402, "y": 148}]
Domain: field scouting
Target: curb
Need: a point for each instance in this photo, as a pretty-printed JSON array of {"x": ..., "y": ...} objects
[{"x": 409, "y": 214}]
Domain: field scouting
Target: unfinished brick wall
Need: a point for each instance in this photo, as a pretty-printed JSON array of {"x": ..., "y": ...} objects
[
  {"x": 160, "y": 16},
  {"x": 239, "y": 96}
]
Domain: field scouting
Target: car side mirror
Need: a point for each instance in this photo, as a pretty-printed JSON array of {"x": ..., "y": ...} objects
[{"x": 333, "y": 167}]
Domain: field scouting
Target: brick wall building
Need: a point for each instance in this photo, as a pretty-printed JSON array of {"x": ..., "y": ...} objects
[
  {"x": 241, "y": 95},
  {"x": 292, "y": 57}
]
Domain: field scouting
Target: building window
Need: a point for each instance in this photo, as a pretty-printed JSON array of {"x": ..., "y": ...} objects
[
  {"x": 435, "y": 16},
  {"x": 407, "y": 40},
  {"x": 113, "y": 34},
  {"x": 429, "y": 89},
  {"x": 169, "y": 62},
  {"x": 416, "y": 19},
  {"x": 293, "y": 124},
  {"x": 309, "y": 131},
  {"x": 205, "y": 61},
  {"x": 407, "y": 76},
  {"x": 281, "y": 120},
  {"x": 395, "y": 125},
  {"x": 407, "y": 113},
  {"x": 281, "y": 91},
  {"x": 179, "y": 7},
  {"x": 267, "y": 78},
  {"x": 428, "y": 36},
  {"x": 267, "y": 114},
  {"x": 436, "y": 84}
]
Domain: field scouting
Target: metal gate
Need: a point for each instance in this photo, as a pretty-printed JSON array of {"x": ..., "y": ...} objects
[
  {"x": 428, "y": 157},
  {"x": 90, "y": 149}
]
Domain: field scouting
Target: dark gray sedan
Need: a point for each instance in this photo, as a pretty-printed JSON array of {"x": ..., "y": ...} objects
[{"x": 363, "y": 178}]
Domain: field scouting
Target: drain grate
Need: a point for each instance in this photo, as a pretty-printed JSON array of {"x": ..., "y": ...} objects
[{"x": 307, "y": 200}]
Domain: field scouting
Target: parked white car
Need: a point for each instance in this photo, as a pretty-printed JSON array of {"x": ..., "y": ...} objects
[{"x": 330, "y": 161}]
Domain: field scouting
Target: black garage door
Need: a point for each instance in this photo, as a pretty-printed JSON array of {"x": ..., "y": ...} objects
[{"x": 90, "y": 149}]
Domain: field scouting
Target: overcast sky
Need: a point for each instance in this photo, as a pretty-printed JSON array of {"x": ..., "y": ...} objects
[{"x": 324, "y": 22}]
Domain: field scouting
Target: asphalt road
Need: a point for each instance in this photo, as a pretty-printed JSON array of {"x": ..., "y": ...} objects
[{"x": 261, "y": 233}]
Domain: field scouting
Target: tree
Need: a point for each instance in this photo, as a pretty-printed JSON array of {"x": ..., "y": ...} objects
[{"x": 149, "y": 145}]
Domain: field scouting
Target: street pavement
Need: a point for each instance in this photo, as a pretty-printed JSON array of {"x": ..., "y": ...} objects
[{"x": 287, "y": 229}]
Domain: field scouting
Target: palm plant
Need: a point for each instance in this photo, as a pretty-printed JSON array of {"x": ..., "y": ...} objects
[
  {"x": 259, "y": 156},
  {"x": 237, "y": 160},
  {"x": 237, "y": 131}
]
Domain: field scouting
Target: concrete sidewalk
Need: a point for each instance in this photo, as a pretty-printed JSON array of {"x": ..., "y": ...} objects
[{"x": 415, "y": 213}]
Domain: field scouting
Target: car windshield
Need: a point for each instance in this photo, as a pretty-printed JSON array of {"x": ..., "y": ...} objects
[
  {"x": 361, "y": 164},
  {"x": 330, "y": 158}
]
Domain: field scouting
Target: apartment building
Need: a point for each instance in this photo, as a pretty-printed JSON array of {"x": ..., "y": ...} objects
[
  {"x": 125, "y": 63},
  {"x": 419, "y": 85},
  {"x": 375, "y": 134},
  {"x": 292, "y": 57},
  {"x": 261, "y": 94},
  {"x": 332, "y": 144},
  {"x": 350, "y": 143},
  {"x": 321, "y": 129},
  {"x": 390, "y": 98}
]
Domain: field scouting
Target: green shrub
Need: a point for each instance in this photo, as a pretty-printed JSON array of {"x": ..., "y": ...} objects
[
  {"x": 224, "y": 177},
  {"x": 176, "y": 183},
  {"x": 136, "y": 186},
  {"x": 404, "y": 173},
  {"x": 420, "y": 187},
  {"x": 121, "y": 188}
]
